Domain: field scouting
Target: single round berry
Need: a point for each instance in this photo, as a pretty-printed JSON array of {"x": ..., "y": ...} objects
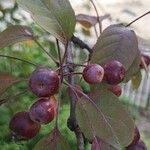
[
  {"x": 44, "y": 82},
  {"x": 114, "y": 72},
  {"x": 116, "y": 90},
  {"x": 22, "y": 127},
  {"x": 146, "y": 59},
  {"x": 44, "y": 110},
  {"x": 93, "y": 73}
]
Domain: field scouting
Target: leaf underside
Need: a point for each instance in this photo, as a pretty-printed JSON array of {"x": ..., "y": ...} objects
[
  {"x": 55, "y": 16},
  {"x": 52, "y": 141},
  {"x": 106, "y": 118},
  {"x": 14, "y": 34},
  {"x": 6, "y": 80}
]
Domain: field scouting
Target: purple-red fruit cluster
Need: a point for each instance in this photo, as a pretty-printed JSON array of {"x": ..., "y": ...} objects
[
  {"x": 112, "y": 73},
  {"x": 44, "y": 83}
]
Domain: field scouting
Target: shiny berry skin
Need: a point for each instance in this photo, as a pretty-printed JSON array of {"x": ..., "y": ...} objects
[
  {"x": 140, "y": 145},
  {"x": 146, "y": 59},
  {"x": 43, "y": 110},
  {"x": 44, "y": 82},
  {"x": 22, "y": 127},
  {"x": 114, "y": 72},
  {"x": 93, "y": 73},
  {"x": 116, "y": 90}
]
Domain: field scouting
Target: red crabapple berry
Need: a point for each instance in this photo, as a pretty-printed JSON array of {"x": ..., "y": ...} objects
[
  {"x": 93, "y": 73},
  {"x": 44, "y": 82},
  {"x": 146, "y": 59},
  {"x": 116, "y": 90},
  {"x": 44, "y": 110},
  {"x": 114, "y": 72},
  {"x": 22, "y": 127}
]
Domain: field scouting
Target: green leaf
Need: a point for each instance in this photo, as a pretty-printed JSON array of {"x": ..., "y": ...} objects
[
  {"x": 118, "y": 43},
  {"x": 136, "y": 80},
  {"x": 105, "y": 117},
  {"x": 14, "y": 34},
  {"x": 6, "y": 80},
  {"x": 53, "y": 141},
  {"x": 55, "y": 16}
]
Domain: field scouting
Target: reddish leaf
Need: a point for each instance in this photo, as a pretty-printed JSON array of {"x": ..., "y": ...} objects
[
  {"x": 105, "y": 117},
  {"x": 99, "y": 144},
  {"x": 140, "y": 145},
  {"x": 6, "y": 80},
  {"x": 89, "y": 21},
  {"x": 53, "y": 141},
  {"x": 14, "y": 34}
]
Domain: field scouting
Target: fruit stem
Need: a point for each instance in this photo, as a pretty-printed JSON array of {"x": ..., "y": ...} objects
[
  {"x": 137, "y": 19},
  {"x": 54, "y": 60},
  {"x": 72, "y": 73},
  {"x": 19, "y": 59},
  {"x": 72, "y": 122},
  {"x": 67, "y": 65}
]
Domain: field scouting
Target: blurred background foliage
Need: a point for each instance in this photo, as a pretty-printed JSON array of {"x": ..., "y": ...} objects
[{"x": 18, "y": 98}]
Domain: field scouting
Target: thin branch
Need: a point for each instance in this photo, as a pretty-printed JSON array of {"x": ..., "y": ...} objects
[
  {"x": 65, "y": 54},
  {"x": 58, "y": 49},
  {"x": 19, "y": 59},
  {"x": 138, "y": 18},
  {"x": 98, "y": 19},
  {"x": 74, "y": 65},
  {"x": 72, "y": 73},
  {"x": 81, "y": 44},
  {"x": 72, "y": 122},
  {"x": 95, "y": 31},
  {"x": 54, "y": 60}
]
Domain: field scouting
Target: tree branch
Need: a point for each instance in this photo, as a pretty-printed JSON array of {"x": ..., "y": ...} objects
[
  {"x": 81, "y": 44},
  {"x": 72, "y": 122}
]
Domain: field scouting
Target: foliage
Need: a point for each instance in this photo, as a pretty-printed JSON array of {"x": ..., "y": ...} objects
[{"x": 98, "y": 117}]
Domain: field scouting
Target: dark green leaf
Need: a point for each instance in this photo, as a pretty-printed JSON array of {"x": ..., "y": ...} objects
[
  {"x": 55, "y": 16},
  {"x": 105, "y": 118},
  {"x": 53, "y": 141},
  {"x": 6, "y": 80},
  {"x": 14, "y": 34},
  {"x": 118, "y": 43}
]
